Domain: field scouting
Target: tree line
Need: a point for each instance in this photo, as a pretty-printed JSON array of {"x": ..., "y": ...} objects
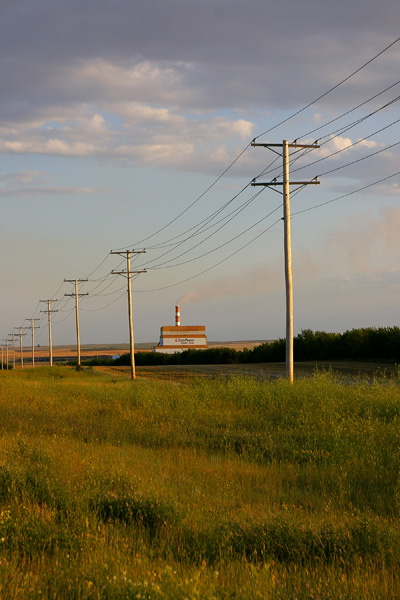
[{"x": 371, "y": 343}]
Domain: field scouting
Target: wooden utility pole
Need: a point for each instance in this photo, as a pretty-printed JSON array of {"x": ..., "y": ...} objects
[
  {"x": 286, "y": 183},
  {"x": 128, "y": 273},
  {"x": 6, "y": 341},
  {"x": 76, "y": 295},
  {"x": 13, "y": 348},
  {"x": 33, "y": 327},
  {"x": 21, "y": 354},
  {"x": 2, "y": 357},
  {"x": 48, "y": 311}
]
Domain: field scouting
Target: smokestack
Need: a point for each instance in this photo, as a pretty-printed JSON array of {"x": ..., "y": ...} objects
[{"x": 177, "y": 316}]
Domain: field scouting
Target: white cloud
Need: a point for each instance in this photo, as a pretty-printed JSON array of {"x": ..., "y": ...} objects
[
  {"x": 342, "y": 145},
  {"x": 35, "y": 183},
  {"x": 144, "y": 133}
]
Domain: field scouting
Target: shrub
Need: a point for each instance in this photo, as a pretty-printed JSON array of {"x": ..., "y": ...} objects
[{"x": 150, "y": 513}]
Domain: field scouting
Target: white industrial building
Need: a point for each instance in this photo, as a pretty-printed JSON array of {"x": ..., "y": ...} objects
[{"x": 178, "y": 338}]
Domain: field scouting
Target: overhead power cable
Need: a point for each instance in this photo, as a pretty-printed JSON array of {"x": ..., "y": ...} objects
[
  {"x": 227, "y": 219},
  {"x": 268, "y": 131},
  {"x": 360, "y": 159},
  {"x": 140, "y": 242},
  {"x": 214, "y": 265},
  {"x": 199, "y": 227},
  {"x": 365, "y": 187},
  {"x": 298, "y": 112},
  {"x": 349, "y": 111},
  {"x": 162, "y": 265},
  {"x": 352, "y": 145},
  {"x": 332, "y": 135}
]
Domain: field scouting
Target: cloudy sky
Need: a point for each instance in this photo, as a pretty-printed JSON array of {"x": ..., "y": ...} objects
[{"x": 127, "y": 124}]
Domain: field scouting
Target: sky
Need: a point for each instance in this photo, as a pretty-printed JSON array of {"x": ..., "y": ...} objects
[{"x": 128, "y": 125}]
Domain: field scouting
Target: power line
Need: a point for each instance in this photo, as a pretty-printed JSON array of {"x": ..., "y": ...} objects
[
  {"x": 360, "y": 159},
  {"x": 352, "y": 145},
  {"x": 107, "y": 305},
  {"x": 209, "y": 219},
  {"x": 226, "y": 220},
  {"x": 217, "y": 247},
  {"x": 331, "y": 89},
  {"x": 165, "y": 287},
  {"x": 349, "y": 111},
  {"x": 365, "y": 187},
  {"x": 344, "y": 129},
  {"x": 140, "y": 242}
]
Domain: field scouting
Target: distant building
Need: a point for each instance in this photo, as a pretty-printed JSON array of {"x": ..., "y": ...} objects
[{"x": 177, "y": 338}]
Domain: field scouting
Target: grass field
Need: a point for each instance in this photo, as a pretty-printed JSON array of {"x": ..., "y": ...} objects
[{"x": 198, "y": 488}]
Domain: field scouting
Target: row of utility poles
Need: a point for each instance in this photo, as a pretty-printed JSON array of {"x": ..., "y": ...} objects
[
  {"x": 126, "y": 273},
  {"x": 284, "y": 151},
  {"x": 11, "y": 337}
]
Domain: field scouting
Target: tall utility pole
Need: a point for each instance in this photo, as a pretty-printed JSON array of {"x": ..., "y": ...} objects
[
  {"x": 286, "y": 183},
  {"x": 2, "y": 357},
  {"x": 78, "y": 343},
  {"x": 21, "y": 354},
  {"x": 128, "y": 273},
  {"x": 48, "y": 311},
  {"x": 6, "y": 341},
  {"x": 33, "y": 327}
]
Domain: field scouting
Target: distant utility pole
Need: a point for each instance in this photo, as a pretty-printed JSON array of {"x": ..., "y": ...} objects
[
  {"x": 128, "y": 273},
  {"x": 76, "y": 295},
  {"x": 49, "y": 312},
  {"x": 6, "y": 341},
  {"x": 2, "y": 358},
  {"x": 33, "y": 327},
  {"x": 286, "y": 183},
  {"x": 13, "y": 347},
  {"x": 21, "y": 354}
]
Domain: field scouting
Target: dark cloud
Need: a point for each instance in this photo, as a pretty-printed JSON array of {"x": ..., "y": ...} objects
[
  {"x": 277, "y": 53},
  {"x": 179, "y": 73}
]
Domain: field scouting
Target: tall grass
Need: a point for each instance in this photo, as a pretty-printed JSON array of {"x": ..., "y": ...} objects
[{"x": 212, "y": 489}]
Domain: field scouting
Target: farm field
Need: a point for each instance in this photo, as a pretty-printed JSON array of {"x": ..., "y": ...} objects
[
  {"x": 68, "y": 352},
  {"x": 264, "y": 371},
  {"x": 198, "y": 487}
]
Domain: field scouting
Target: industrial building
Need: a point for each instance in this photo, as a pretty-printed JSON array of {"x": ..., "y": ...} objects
[{"x": 178, "y": 338}]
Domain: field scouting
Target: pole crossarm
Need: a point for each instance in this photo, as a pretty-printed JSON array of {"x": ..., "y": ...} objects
[
  {"x": 125, "y": 252},
  {"x": 293, "y": 145},
  {"x": 126, "y": 272},
  {"x": 314, "y": 181},
  {"x": 74, "y": 295}
]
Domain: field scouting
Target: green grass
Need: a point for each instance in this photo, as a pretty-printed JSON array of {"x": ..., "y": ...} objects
[{"x": 222, "y": 488}]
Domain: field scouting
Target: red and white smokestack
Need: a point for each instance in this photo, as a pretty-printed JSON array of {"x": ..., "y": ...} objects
[{"x": 177, "y": 316}]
